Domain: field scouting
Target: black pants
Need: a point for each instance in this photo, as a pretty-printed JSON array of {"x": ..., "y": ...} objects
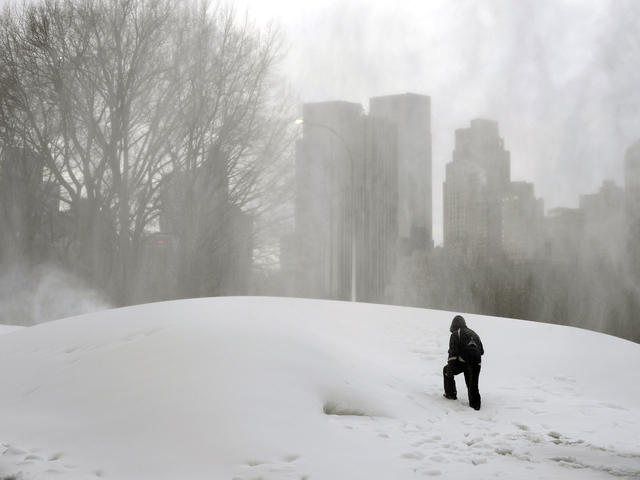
[{"x": 471, "y": 376}]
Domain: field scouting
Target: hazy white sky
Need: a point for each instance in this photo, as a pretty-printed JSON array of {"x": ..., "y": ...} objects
[{"x": 561, "y": 77}]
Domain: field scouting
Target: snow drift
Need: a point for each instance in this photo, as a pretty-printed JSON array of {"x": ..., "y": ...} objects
[{"x": 247, "y": 388}]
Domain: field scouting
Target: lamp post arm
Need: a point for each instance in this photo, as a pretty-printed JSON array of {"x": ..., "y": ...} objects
[{"x": 334, "y": 132}]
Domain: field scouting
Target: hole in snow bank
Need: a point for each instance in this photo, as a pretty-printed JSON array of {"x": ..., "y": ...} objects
[{"x": 335, "y": 408}]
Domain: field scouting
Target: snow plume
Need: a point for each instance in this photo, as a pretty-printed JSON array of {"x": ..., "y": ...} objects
[{"x": 29, "y": 296}]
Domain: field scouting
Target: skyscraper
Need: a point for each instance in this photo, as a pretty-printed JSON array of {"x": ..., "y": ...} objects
[
  {"x": 325, "y": 156},
  {"x": 346, "y": 200},
  {"x": 377, "y": 205},
  {"x": 522, "y": 222},
  {"x": 27, "y": 203},
  {"x": 603, "y": 215},
  {"x": 632, "y": 181},
  {"x": 207, "y": 239},
  {"x": 412, "y": 115},
  {"x": 632, "y": 201},
  {"x": 476, "y": 182},
  {"x": 600, "y": 207}
]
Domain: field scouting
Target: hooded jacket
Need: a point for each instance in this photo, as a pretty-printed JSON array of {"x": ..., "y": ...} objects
[{"x": 465, "y": 344}]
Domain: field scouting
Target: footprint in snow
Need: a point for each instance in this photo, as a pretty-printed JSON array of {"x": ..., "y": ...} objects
[
  {"x": 613, "y": 406},
  {"x": 286, "y": 466},
  {"x": 12, "y": 450},
  {"x": 34, "y": 457},
  {"x": 533, "y": 411},
  {"x": 31, "y": 390},
  {"x": 420, "y": 443},
  {"x": 438, "y": 459},
  {"x": 504, "y": 451},
  {"x": 432, "y": 473},
  {"x": 143, "y": 333},
  {"x": 413, "y": 455},
  {"x": 473, "y": 441}
]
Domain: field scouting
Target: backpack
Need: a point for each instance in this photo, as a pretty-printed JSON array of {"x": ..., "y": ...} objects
[{"x": 469, "y": 348}]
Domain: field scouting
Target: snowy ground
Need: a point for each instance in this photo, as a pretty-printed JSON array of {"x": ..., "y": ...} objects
[
  {"x": 266, "y": 388},
  {"x": 8, "y": 329}
]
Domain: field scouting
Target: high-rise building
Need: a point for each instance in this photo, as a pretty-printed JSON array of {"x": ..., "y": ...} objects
[
  {"x": 325, "y": 157},
  {"x": 412, "y": 115},
  {"x": 522, "y": 222},
  {"x": 599, "y": 207},
  {"x": 377, "y": 206},
  {"x": 603, "y": 216},
  {"x": 346, "y": 200},
  {"x": 27, "y": 204},
  {"x": 632, "y": 201},
  {"x": 632, "y": 182},
  {"x": 563, "y": 229},
  {"x": 209, "y": 240},
  {"x": 477, "y": 180}
]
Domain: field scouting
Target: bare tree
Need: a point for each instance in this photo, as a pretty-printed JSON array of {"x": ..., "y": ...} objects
[
  {"x": 123, "y": 101},
  {"x": 234, "y": 134}
]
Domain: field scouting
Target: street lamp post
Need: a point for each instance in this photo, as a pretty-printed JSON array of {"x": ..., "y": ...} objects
[{"x": 301, "y": 121}]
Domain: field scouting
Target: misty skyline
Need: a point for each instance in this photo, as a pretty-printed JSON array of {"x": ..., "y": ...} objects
[{"x": 559, "y": 77}]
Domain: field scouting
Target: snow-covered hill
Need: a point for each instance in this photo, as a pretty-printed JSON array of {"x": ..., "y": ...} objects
[
  {"x": 248, "y": 388},
  {"x": 8, "y": 328}
]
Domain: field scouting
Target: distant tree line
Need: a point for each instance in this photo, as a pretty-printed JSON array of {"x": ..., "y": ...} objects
[
  {"x": 596, "y": 286},
  {"x": 108, "y": 106}
]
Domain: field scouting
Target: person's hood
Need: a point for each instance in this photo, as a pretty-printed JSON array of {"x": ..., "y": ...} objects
[{"x": 457, "y": 322}]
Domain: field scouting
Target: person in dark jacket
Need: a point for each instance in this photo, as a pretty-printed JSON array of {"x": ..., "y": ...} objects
[{"x": 465, "y": 352}]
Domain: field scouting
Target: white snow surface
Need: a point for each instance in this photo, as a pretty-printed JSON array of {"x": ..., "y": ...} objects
[
  {"x": 9, "y": 328},
  {"x": 250, "y": 388}
]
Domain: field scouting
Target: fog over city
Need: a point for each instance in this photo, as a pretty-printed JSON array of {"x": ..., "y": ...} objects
[
  {"x": 560, "y": 77},
  {"x": 456, "y": 155}
]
